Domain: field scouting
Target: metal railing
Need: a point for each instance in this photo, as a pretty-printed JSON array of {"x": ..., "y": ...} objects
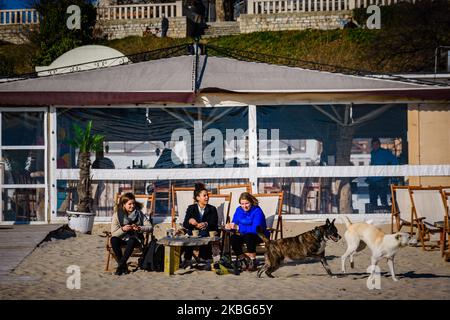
[
  {"x": 140, "y": 11},
  {"x": 19, "y": 16},
  {"x": 285, "y": 6}
]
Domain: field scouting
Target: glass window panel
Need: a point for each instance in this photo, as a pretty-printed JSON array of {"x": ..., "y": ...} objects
[
  {"x": 22, "y": 128},
  {"x": 317, "y": 195},
  {"x": 24, "y": 204},
  {"x": 315, "y": 135},
  {"x": 160, "y": 138},
  {"x": 24, "y": 166}
]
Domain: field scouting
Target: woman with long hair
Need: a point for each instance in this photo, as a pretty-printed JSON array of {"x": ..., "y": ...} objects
[
  {"x": 246, "y": 220},
  {"x": 127, "y": 228}
]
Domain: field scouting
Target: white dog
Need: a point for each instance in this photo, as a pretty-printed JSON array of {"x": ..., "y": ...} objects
[{"x": 382, "y": 245}]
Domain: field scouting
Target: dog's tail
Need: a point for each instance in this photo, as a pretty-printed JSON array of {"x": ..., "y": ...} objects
[
  {"x": 346, "y": 220},
  {"x": 261, "y": 234}
]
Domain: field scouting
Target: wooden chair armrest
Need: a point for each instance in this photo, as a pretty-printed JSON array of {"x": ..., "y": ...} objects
[
  {"x": 107, "y": 235},
  {"x": 419, "y": 219},
  {"x": 439, "y": 224}
]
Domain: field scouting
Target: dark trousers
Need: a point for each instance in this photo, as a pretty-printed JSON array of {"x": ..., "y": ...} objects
[
  {"x": 250, "y": 240},
  {"x": 117, "y": 243},
  {"x": 378, "y": 189},
  {"x": 205, "y": 252}
]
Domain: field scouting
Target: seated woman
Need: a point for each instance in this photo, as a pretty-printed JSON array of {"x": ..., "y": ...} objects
[
  {"x": 247, "y": 218},
  {"x": 127, "y": 228},
  {"x": 203, "y": 217}
]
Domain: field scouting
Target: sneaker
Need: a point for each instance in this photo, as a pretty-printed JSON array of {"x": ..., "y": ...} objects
[
  {"x": 244, "y": 264},
  {"x": 253, "y": 265},
  {"x": 207, "y": 267},
  {"x": 121, "y": 270},
  {"x": 236, "y": 268},
  {"x": 187, "y": 265}
]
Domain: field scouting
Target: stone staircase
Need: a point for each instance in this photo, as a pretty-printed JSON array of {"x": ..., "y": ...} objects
[{"x": 223, "y": 28}]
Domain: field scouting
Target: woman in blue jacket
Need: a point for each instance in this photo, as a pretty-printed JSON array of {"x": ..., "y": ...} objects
[{"x": 247, "y": 218}]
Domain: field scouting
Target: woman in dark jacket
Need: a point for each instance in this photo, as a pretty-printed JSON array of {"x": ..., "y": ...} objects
[{"x": 203, "y": 217}]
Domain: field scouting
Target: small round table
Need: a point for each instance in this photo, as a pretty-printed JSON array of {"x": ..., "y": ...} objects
[{"x": 172, "y": 249}]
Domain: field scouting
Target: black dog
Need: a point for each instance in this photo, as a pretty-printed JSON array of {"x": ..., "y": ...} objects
[{"x": 308, "y": 244}]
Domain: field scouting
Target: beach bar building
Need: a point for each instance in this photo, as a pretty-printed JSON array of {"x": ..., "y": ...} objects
[{"x": 174, "y": 121}]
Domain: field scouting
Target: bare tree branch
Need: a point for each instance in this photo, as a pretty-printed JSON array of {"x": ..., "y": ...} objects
[
  {"x": 336, "y": 112},
  {"x": 173, "y": 114},
  {"x": 318, "y": 108},
  {"x": 372, "y": 115}
]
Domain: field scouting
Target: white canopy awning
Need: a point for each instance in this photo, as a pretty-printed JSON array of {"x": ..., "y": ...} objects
[{"x": 180, "y": 80}]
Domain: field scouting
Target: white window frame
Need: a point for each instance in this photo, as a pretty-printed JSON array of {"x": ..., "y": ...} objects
[{"x": 44, "y": 185}]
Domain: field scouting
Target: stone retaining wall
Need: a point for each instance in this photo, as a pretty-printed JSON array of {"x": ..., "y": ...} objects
[
  {"x": 118, "y": 29},
  {"x": 179, "y": 28},
  {"x": 292, "y": 21},
  {"x": 16, "y": 33}
]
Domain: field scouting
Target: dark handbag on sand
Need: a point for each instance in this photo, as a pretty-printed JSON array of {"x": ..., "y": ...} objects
[{"x": 152, "y": 258}]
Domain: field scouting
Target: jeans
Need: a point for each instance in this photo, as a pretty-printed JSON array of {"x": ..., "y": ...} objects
[
  {"x": 117, "y": 243},
  {"x": 250, "y": 239},
  {"x": 378, "y": 189}
]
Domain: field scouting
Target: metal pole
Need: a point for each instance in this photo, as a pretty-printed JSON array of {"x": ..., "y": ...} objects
[
  {"x": 435, "y": 62},
  {"x": 436, "y": 58}
]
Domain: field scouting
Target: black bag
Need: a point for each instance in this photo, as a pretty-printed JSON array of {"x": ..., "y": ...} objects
[{"x": 152, "y": 258}]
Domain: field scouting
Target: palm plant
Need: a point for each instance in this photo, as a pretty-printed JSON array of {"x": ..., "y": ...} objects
[{"x": 86, "y": 143}]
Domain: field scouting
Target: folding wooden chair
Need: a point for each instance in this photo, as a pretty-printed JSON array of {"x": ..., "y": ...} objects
[
  {"x": 148, "y": 206},
  {"x": 271, "y": 204},
  {"x": 235, "y": 191},
  {"x": 222, "y": 204},
  {"x": 182, "y": 198},
  {"x": 401, "y": 209},
  {"x": 429, "y": 211}
]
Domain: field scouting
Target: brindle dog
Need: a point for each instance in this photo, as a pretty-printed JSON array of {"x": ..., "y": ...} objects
[{"x": 309, "y": 244}]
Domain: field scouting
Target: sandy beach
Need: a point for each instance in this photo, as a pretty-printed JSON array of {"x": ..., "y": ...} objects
[{"x": 43, "y": 275}]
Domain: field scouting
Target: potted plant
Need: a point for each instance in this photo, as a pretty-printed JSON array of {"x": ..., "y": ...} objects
[{"x": 82, "y": 220}]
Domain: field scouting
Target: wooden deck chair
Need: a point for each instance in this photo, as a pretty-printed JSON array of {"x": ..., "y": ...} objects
[
  {"x": 148, "y": 206},
  {"x": 235, "y": 191},
  {"x": 182, "y": 198},
  {"x": 271, "y": 204},
  {"x": 222, "y": 203},
  {"x": 147, "y": 201},
  {"x": 401, "y": 209},
  {"x": 429, "y": 208}
]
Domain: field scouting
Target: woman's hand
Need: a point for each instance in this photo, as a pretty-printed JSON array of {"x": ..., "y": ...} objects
[
  {"x": 230, "y": 226},
  {"x": 202, "y": 225},
  {"x": 136, "y": 227},
  {"x": 193, "y": 222},
  {"x": 127, "y": 228}
]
